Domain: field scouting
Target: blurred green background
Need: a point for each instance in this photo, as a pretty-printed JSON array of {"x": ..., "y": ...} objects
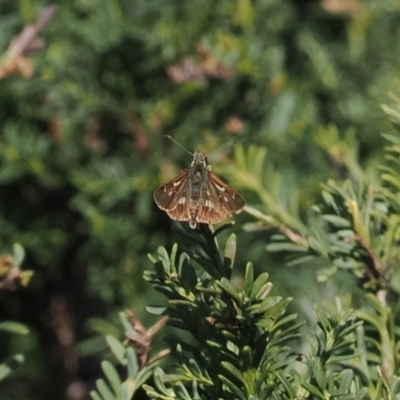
[{"x": 82, "y": 147}]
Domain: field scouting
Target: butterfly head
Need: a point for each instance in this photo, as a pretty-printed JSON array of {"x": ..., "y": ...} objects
[{"x": 199, "y": 159}]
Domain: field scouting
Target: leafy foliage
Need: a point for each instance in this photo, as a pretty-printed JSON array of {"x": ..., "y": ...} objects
[
  {"x": 12, "y": 277},
  {"x": 13, "y": 362},
  {"x": 88, "y": 91},
  {"x": 239, "y": 342},
  {"x": 240, "y": 335},
  {"x": 139, "y": 368}
]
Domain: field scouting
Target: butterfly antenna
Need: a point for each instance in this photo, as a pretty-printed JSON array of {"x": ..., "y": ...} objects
[{"x": 170, "y": 137}]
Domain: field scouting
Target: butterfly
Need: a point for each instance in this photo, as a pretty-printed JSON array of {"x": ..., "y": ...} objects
[{"x": 198, "y": 196}]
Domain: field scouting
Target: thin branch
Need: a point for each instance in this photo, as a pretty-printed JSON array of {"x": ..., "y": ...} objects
[
  {"x": 379, "y": 268},
  {"x": 27, "y": 42},
  {"x": 271, "y": 221}
]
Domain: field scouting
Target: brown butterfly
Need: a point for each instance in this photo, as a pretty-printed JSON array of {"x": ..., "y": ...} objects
[{"x": 198, "y": 196}]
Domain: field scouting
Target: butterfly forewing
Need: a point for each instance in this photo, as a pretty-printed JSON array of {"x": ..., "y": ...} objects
[
  {"x": 230, "y": 200},
  {"x": 220, "y": 201},
  {"x": 167, "y": 196}
]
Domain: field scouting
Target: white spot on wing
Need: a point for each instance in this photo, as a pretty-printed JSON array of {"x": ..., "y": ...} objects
[
  {"x": 170, "y": 193},
  {"x": 220, "y": 188},
  {"x": 225, "y": 199},
  {"x": 177, "y": 183},
  {"x": 209, "y": 204},
  {"x": 182, "y": 200}
]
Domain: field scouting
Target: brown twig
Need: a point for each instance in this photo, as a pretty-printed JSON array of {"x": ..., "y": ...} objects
[
  {"x": 269, "y": 220},
  {"x": 142, "y": 337},
  {"x": 293, "y": 236},
  {"x": 16, "y": 59},
  {"x": 378, "y": 267}
]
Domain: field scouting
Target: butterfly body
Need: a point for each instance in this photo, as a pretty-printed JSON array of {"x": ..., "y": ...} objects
[{"x": 198, "y": 196}]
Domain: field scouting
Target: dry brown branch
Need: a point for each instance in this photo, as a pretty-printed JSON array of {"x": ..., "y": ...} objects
[
  {"x": 378, "y": 268},
  {"x": 16, "y": 59},
  {"x": 142, "y": 337}
]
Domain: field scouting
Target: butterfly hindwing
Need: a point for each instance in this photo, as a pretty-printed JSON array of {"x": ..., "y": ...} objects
[{"x": 181, "y": 212}]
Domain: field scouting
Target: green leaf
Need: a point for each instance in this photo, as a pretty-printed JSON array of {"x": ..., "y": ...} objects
[
  {"x": 313, "y": 389},
  {"x": 258, "y": 285},
  {"x": 361, "y": 394},
  {"x": 132, "y": 363},
  {"x": 103, "y": 327},
  {"x": 25, "y": 277},
  {"x": 126, "y": 323},
  {"x": 159, "y": 379},
  {"x": 338, "y": 222},
  {"x": 264, "y": 291},
  {"x": 117, "y": 348},
  {"x": 136, "y": 378},
  {"x": 94, "y": 395},
  {"x": 128, "y": 389},
  {"x": 266, "y": 305},
  {"x": 346, "y": 380},
  {"x": 14, "y": 327},
  {"x": 156, "y": 310},
  {"x": 230, "y": 248},
  {"x": 163, "y": 256},
  {"x": 227, "y": 287},
  {"x": 172, "y": 258},
  {"x": 240, "y": 157},
  {"x": 19, "y": 254},
  {"x": 285, "y": 246},
  {"x": 214, "y": 344},
  {"x": 232, "y": 388},
  {"x": 188, "y": 275},
  {"x": 325, "y": 274},
  {"x": 300, "y": 260},
  {"x": 104, "y": 390},
  {"x": 10, "y": 365},
  {"x": 318, "y": 373},
  {"x": 112, "y": 376},
  {"x": 234, "y": 372},
  {"x": 182, "y": 391},
  {"x": 248, "y": 278},
  {"x": 151, "y": 258},
  {"x": 391, "y": 112},
  {"x": 391, "y": 138}
]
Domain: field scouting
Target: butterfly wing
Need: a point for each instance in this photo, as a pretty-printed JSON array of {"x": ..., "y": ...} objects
[
  {"x": 220, "y": 201},
  {"x": 171, "y": 197},
  {"x": 217, "y": 202}
]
